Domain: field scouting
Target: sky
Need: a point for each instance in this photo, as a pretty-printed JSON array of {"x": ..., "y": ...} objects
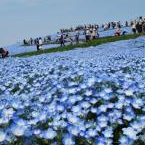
[{"x": 21, "y": 19}]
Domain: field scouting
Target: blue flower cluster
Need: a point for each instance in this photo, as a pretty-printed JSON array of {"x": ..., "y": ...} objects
[{"x": 84, "y": 96}]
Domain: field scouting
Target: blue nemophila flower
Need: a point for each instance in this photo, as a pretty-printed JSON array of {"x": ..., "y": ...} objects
[
  {"x": 102, "y": 108},
  {"x": 92, "y": 132},
  {"x": 93, "y": 100},
  {"x": 73, "y": 119},
  {"x": 102, "y": 121},
  {"x": 130, "y": 133},
  {"x": 83, "y": 86},
  {"x": 88, "y": 93},
  {"x": 42, "y": 99},
  {"x": 68, "y": 140},
  {"x": 73, "y": 99},
  {"x": 124, "y": 140},
  {"x": 33, "y": 121},
  {"x": 129, "y": 92},
  {"x": 138, "y": 124},
  {"x": 110, "y": 105},
  {"x": 2, "y": 136},
  {"x": 91, "y": 81},
  {"x": 35, "y": 114},
  {"x": 20, "y": 122},
  {"x": 119, "y": 104},
  {"x": 108, "y": 90},
  {"x": 129, "y": 114},
  {"x": 37, "y": 131},
  {"x": 8, "y": 112},
  {"x": 75, "y": 91},
  {"x": 137, "y": 103},
  {"x": 49, "y": 134},
  {"x": 102, "y": 94},
  {"x": 74, "y": 130},
  {"x": 100, "y": 141},
  {"x": 60, "y": 108},
  {"x": 85, "y": 105},
  {"x": 76, "y": 109},
  {"x": 94, "y": 110},
  {"x": 42, "y": 117},
  {"x": 72, "y": 91},
  {"x": 18, "y": 130},
  {"x": 108, "y": 132}
]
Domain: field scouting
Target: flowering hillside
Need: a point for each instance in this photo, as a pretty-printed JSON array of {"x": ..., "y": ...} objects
[{"x": 79, "y": 97}]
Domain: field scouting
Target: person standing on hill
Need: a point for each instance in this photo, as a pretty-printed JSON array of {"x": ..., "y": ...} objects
[
  {"x": 77, "y": 37},
  {"x": 25, "y": 42},
  {"x": 88, "y": 35},
  {"x": 37, "y": 44},
  {"x": 139, "y": 27},
  {"x": 143, "y": 26},
  {"x": 94, "y": 34},
  {"x": 31, "y": 41},
  {"x": 126, "y": 24},
  {"x": 40, "y": 43},
  {"x": 134, "y": 27},
  {"x": 61, "y": 40}
]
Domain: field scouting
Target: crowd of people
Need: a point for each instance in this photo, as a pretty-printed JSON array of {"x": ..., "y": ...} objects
[
  {"x": 104, "y": 26},
  {"x": 66, "y": 32},
  {"x": 138, "y": 26},
  {"x": 90, "y": 32},
  {"x": 31, "y": 41}
]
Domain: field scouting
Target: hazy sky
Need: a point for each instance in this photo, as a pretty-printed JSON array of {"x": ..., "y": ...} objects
[{"x": 21, "y": 19}]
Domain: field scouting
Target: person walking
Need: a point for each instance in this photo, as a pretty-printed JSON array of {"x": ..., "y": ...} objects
[{"x": 61, "y": 40}]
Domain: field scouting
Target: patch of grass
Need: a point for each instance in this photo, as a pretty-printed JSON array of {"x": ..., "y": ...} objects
[{"x": 83, "y": 45}]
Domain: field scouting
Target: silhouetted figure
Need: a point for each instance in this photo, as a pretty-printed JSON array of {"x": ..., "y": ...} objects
[
  {"x": 61, "y": 40},
  {"x": 37, "y": 44},
  {"x": 134, "y": 27},
  {"x": 143, "y": 26},
  {"x": 139, "y": 27},
  {"x": 88, "y": 35},
  {"x": 25, "y": 42},
  {"x": 126, "y": 24},
  {"x": 31, "y": 41}
]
